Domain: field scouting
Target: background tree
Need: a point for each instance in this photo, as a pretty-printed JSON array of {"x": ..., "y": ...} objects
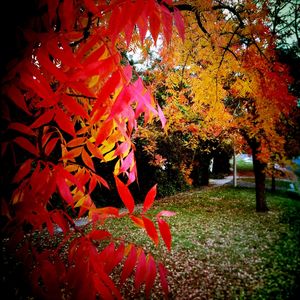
[{"x": 228, "y": 76}]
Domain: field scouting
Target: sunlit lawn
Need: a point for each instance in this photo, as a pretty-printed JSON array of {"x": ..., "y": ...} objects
[{"x": 223, "y": 249}]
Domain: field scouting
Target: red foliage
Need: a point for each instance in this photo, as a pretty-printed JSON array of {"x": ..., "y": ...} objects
[{"x": 78, "y": 103}]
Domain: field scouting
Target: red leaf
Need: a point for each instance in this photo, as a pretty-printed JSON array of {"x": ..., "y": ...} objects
[
  {"x": 127, "y": 162},
  {"x": 101, "y": 288},
  {"x": 167, "y": 22},
  {"x": 50, "y": 146},
  {"x": 165, "y": 213},
  {"x": 44, "y": 60},
  {"x": 25, "y": 144},
  {"x": 18, "y": 98},
  {"x": 92, "y": 184},
  {"x": 179, "y": 22},
  {"x": 23, "y": 170},
  {"x": 150, "y": 275},
  {"x": 32, "y": 82},
  {"x": 154, "y": 19},
  {"x": 95, "y": 55},
  {"x": 68, "y": 14},
  {"x": 43, "y": 119},
  {"x": 60, "y": 49},
  {"x": 129, "y": 264},
  {"x": 138, "y": 221},
  {"x": 99, "y": 235},
  {"x": 115, "y": 259},
  {"x": 73, "y": 107},
  {"x": 122, "y": 148},
  {"x": 105, "y": 131},
  {"x": 64, "y": 189},
  {"x": 87, "y": 160},
  {"x": 151, "y": 230},
  {"x": 102, "y": 181},
  {"x": 116, "y": 22},
  {"x": 59, "y": 219},
  {"x": 64, "y": 122},
  {"x": 150, "y": 198},
  {"x": 165, "y": 233},
  {"x": 125, "y": 195},
  {"x": 108, "y": 88},
  {"x": 140, "y": 272},
  {"x": 161, "y": 116},
  {"x": 21, "y": 128},
  {"x": 143, "y": 26},
  {"x": 103, "y": 68},
  {"x": 90, "y": 5},
  {"x": 121, "y": 102},
  {"x": 163, "y": 279}
]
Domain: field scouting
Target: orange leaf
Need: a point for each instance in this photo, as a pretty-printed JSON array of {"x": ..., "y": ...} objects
[
  {"x": 105, "y": 131},
  {"x": 73, "y": 153},
  {"x": 94, "y": 150},
  {"x": 138, "y": 221},
  {"x": 87, "y": 160},
  {"x": 76, "y": 142}
]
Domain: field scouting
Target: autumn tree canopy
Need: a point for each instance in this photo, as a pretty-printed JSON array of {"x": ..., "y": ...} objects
[{"x": 225, "y": 82}]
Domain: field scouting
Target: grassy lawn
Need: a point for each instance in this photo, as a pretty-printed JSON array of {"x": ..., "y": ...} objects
[{"x": 223, "y": 249}]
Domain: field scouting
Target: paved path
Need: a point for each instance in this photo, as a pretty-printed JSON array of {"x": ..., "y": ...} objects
[{"x": 220, "y": 182}]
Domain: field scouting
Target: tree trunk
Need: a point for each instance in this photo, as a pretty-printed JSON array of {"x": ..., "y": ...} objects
[
  {"x": 260, "y": 180},
  {"x": 234, "y": 170},
  {"x": 273, "y": 188}
]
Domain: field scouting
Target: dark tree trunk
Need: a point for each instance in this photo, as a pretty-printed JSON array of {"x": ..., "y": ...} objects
[
  {"x": 273, "y": 188},
  {"x": 260, "y": 179},
  {"x": 221, "y": 165},
  {"x": 204, "y": 179},
  {"x": 200, "y": 173}
]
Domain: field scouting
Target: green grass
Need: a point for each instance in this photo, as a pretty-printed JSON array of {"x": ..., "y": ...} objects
[
  {"x": 223, "y": 249},
  {"x": 243, "y": 166}
]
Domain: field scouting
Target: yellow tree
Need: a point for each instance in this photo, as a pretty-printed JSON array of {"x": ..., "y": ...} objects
[{"x": 226, "y": 74}]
